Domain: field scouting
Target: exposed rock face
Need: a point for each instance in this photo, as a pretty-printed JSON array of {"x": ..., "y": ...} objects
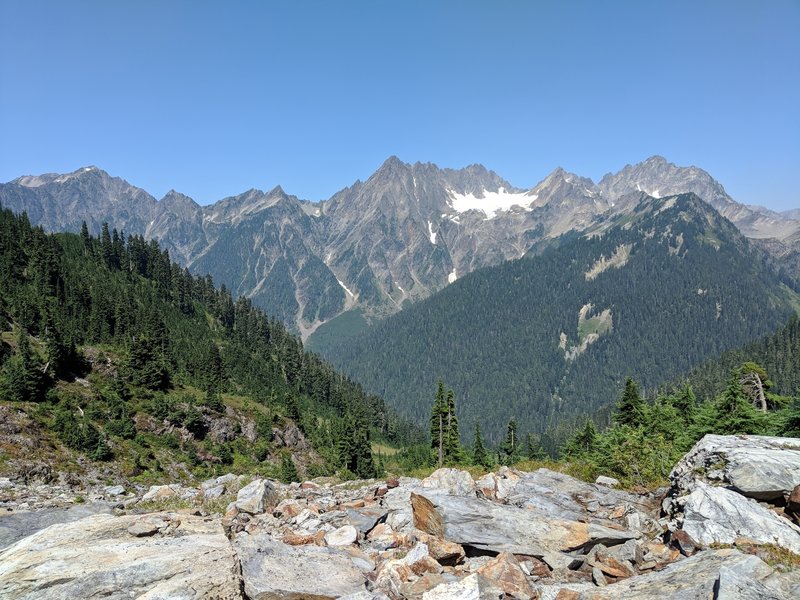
[
  {"x": 452, "y": 481},
  {"x": 556, "y": 495},
  {"x": 18, "y": 525},
  {"x": 760, "y": 467},
  {"x": 498, "y": 528},
  {"x": 714, "y": 515},
  {"x": 97, "y": 556},
  {"x": 697, "y": 577},
  {"x": 474, "y": 587},
  {"x": 275, "y": 571},
  {"x": 716, "y": 485},
  {"x": 506, "y": 573}
]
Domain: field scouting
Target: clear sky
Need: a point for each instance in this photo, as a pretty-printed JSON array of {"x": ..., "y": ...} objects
[{"x": 212, "y": 98}]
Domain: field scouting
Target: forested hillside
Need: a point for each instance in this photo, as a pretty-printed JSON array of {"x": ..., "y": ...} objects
[
  {"x": 550, "y": 338},
  {"x": 778, "y": 354},
  {"x": 110, "y": 351}
]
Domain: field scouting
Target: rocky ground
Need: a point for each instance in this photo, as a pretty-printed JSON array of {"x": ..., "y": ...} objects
[{"x": 726, "y": 528}]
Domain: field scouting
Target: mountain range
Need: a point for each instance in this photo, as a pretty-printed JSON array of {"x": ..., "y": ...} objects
[{"x": 406, "y": 232}]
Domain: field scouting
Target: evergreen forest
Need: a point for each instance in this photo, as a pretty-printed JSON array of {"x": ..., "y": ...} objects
[
  {"x": 550, "y": 339},
  {"x": 122, "y": 354}
]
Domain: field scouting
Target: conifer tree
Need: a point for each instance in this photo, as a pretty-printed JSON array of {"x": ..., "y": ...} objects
[
  {"x": 583, "y": 442},
  {"x": 106, "y": 250},
  {"x": 288, "y": 470},
  {"x": 480, "y": 456},
  {"x": 453, "y": 451},
  {"x": 23, "y": 379},
  {"x": 509, "y": 449},
  {"x": 685, "y": 402},
  {"x": 631, "y": 409},
  {"x": 439, "y": 424},
  {"x": 734, "y": 413},
  {"x": 86, "y": 239}
]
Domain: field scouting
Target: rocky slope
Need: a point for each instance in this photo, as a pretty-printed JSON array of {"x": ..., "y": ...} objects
[
  {"x": 509, "y": 534},
  {"x": 404, "y": 233}
]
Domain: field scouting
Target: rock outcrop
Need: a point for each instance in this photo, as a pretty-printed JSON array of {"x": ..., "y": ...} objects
[
  {"x": 760, "y": 467},
  {"x": 186, "y": 557},
  {"x": 540, "y": 535}
]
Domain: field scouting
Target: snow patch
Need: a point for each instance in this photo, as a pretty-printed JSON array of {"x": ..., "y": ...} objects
[
  {"x": 452, "y": 276},
  {"x": 491, "y": 202},
  {"x": 431, "y": 233}
]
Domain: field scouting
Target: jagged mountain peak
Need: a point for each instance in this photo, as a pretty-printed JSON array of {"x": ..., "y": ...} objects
[
  {"x": 277, "y": 191},
  {"x": 559, "y": 174},
  {"x": 176, "y": 199},
  {"x": 391, "y": 166}
]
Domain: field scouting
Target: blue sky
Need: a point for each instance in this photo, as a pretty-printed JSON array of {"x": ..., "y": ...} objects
[{"x": 212, "y": 98}]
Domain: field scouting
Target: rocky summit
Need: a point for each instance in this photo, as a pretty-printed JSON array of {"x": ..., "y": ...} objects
[{"x": 725, "y": 528}]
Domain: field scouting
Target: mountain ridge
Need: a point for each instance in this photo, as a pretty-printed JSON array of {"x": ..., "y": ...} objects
[{"x": 406, "y": 232}]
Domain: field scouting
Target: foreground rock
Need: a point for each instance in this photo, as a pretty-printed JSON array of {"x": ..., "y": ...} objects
[
  {"x": 474, "y": 587},
  {"x": 97, "y": 557},
  {"x": 508, "y": 535},
  {"x": 698, "y": 577},
  {"x": 275, "y": 571},
  {"x": 17, "y": 525},
  {"x": 498, "y": 528},
  {"x": 713, "y": 515},
  {"x": 555, "y": 495},
  {"x": 256, "y": 497},
  {"x": 717, "y": 486},
  {"x": 760, "y": 467}
]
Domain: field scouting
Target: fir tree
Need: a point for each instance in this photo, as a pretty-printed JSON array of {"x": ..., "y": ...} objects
[
  {"x": 147, "y": 368},
  {"x": 685, "y": 403},
  {"x": 438, "y": 424},
  {"x": 509, "y": 449},
  {"x": 86, "y": 239},
  {"x": 480, "y": 456},
  {"x": 583, "y": 442},
  {"x": 631, "y": 409},
  {"x": 453, "y": 452},
  {"x": 734, "y": 413},
  {"x": 23, "y": 378}
]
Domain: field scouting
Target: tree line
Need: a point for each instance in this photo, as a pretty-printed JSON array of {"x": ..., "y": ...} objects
[{"x": 645, "y": 438}]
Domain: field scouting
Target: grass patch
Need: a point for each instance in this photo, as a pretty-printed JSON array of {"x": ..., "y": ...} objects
[{"x": 384, "y": 450}]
